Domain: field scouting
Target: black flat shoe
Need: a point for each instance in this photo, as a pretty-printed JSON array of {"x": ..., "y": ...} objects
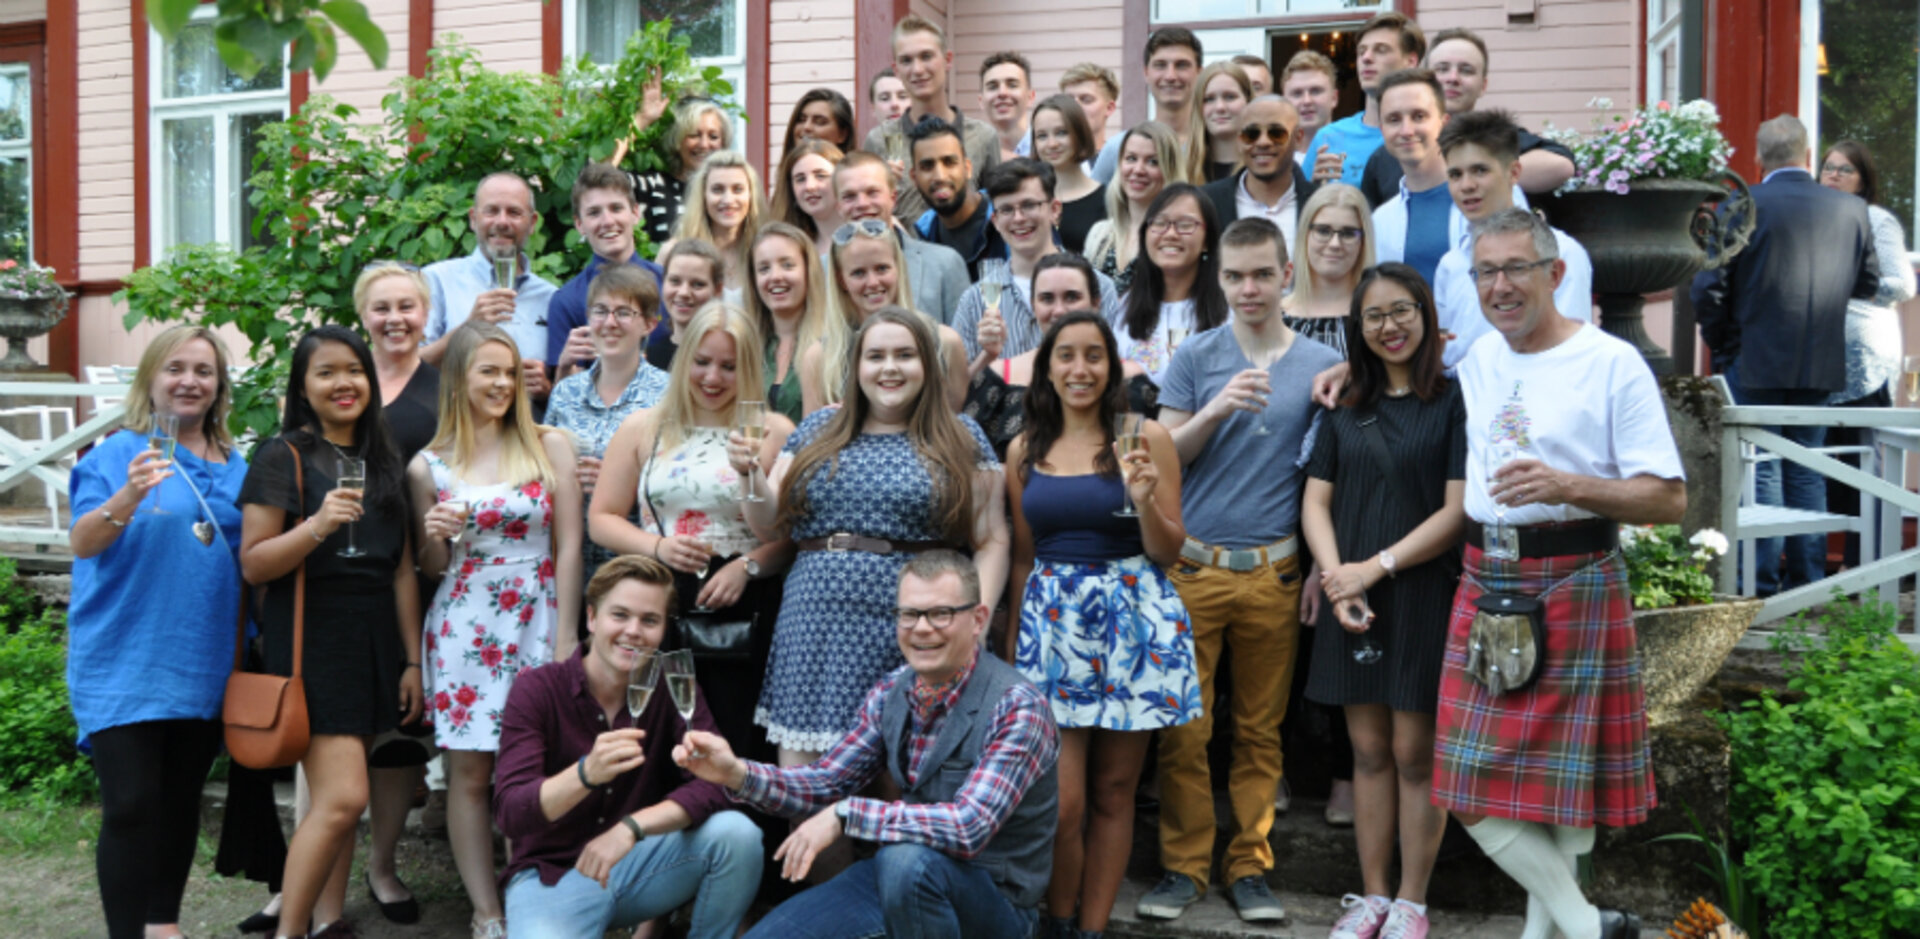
[
  {"x": 1619, "y": 924},
  {"x": 261, "y": 922},
  {"x": 405, "y": 912}
]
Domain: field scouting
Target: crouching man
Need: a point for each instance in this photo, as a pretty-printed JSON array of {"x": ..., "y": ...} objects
[
  {"x": 605, "y": 831},
  {"x": 968, "y": 848}
]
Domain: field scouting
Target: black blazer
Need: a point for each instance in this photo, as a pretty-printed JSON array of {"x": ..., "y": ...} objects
[
  {"x": 1780, "y": 307},
  {"x": 1222, "y": 193}
]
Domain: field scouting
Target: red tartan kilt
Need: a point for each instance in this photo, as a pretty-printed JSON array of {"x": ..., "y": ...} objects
[{"x": 1572, "y": 749}]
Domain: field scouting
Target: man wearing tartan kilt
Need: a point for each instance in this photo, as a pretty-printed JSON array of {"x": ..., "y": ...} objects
[{"x": 1567, "y": 439}]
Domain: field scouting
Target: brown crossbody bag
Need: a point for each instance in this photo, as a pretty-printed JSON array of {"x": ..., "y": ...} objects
[{"x": 266, "y": 715}]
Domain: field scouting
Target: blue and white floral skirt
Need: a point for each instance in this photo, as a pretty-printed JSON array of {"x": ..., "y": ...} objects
[{"x": 1109, "y": 644}]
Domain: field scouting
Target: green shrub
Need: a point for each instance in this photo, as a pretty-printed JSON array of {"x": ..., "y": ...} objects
[
  {"x": 37, "y": 732},
  {"x": 1826, "y": 790}
]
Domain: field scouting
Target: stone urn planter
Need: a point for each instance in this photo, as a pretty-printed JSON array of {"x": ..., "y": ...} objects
[
  {"x": 1682, "y": 647},
  {"x": 21, "y": 319},
  {"x": 1655, "y": 236}
]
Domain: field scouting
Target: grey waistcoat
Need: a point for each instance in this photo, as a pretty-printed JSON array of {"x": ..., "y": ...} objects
[{"x": 1020, "y": 855}]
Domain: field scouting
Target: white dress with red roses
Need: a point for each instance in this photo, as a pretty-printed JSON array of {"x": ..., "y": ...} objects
[{"x": 496, "y": 610}]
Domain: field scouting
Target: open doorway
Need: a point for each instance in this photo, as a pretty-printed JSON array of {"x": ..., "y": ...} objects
[{"x": 1334, "y": 42}]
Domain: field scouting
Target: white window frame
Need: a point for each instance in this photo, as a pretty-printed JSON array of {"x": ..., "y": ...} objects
[
  {"x": 1180, "y": 11},
  {"x": 22, "y": 149},
  {"x": 733, "y": 67},
  {"x": 1662, "y": 36},
  {"x": 221, "y": 109}
]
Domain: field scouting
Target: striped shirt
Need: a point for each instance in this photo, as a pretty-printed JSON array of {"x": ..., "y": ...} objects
[
  {"x": 1023, "y": 331},
  {"x": 1021, "y": 743}
]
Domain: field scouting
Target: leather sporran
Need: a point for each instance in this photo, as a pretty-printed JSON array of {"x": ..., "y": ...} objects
[
  {"x": 266, "y": 715},
  {"x": 1507, "y": 642}
]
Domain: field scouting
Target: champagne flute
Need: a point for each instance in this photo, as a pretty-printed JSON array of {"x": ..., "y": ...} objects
[
  {"x": 680, "y": 684},
  {"x": 351, "y": 475},
  {"x": 990, "y": 295},
  {"x": 751, "y": 418},
  {"x": 1126, "y": 432},
  {"x": 701, "y": 587},
  {"x": 1366, "y": 649},
  {"x": 506, "y": 266},
  {"x": 1175, "y": 336},
  {"x": 1260, "y": 423},
  {"x": 465, "y": 509},
  {"x": 164, "y": 435},
  {"x": 1910, "y": 377},
  {"x": 641, "y": 682},
  {"x": 895, "y": 142},
  {"x": 1503, "y": 546}
]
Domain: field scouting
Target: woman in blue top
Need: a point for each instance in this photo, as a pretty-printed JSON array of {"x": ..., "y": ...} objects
[
  {"x": 1102, "y": 631},
  {"x": 150, "y": 629}
]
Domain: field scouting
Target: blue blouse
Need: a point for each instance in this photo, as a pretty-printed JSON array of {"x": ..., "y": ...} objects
[{"x": 150, "y": 628}]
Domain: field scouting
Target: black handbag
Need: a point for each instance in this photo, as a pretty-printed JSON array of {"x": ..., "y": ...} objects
[{"x": 724, "y": 635}]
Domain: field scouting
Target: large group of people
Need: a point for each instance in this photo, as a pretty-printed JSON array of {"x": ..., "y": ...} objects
[{"x": 1241, "y": 408}]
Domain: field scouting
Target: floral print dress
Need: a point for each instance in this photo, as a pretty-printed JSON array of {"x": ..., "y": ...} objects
[{"x": 496, "y": 610}]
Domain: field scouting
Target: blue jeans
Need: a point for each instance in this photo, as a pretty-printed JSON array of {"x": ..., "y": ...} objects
[
  {"x": 1791, "y": 485},
  {"x": 716, "y": 865},
  {"x": 907, "y": 891}
]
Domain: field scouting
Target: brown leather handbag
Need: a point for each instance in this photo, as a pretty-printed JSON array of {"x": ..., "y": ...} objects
[{"x": 266, "y": 715}]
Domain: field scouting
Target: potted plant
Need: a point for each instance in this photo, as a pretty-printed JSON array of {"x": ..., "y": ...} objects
[
  {"x": 1641, "y": 203},
  {"x": 1684, "y": 629},
  {"x": 31, "y": 303}
]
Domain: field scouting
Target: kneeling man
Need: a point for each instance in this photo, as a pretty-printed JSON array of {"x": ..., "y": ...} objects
[
  {"x": 605, "y": 831},
  {"x": 968, "y": 848}
]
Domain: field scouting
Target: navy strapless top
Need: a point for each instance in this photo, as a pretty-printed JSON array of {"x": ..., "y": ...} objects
[{"x": 1073, "y": 522}]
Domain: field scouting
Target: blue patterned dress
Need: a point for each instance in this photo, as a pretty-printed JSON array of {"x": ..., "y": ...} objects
[
  {"x": 835, "y": 638},
  {"x": 1102, "y": 631}
]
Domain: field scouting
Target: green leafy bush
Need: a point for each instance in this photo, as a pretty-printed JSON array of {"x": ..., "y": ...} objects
[
  {"x": 37, "y": 731},
  {"x": 334, "y": 193},
  {"x": 1665, "y": 569},
  {"x": 1826, "y": 789}
]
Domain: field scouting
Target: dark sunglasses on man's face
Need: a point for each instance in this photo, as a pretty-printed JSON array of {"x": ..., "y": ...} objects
[{"x": 1250, "y": 134}]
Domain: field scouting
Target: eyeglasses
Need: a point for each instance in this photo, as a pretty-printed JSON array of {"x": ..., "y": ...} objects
[
  {"x": 1838, "y": 169},
  {"x": 1184, "y": 226},
  {"x": 870, "y": 227},
  {"x": 1403, "y": 314},
  {"x": 1325, "y": 233},
  {"x": 1516, "y": 272},
  {"x": 621, "y": 314},
  {"x": 1280, "y": 133},
  {"x": 1031, "y": 208},
  {"x": 940, "y": 616}
]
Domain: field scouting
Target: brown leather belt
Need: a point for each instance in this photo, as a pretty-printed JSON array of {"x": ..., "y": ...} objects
[
  {"x": 844, "y": 541},
  {"x": 1589, "y": 536}
]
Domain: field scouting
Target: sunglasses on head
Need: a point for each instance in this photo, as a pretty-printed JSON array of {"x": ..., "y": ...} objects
[{"x": 870, "y": 227}]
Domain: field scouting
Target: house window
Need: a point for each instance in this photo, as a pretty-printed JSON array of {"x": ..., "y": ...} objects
[
  {"x": 1191, "y": 11},
  {"x": 205, "y": 130},
  {"x": 16, "y": 163},
  {"x": 715, "y": 31},
  {"x": 1664, "y": 48}
]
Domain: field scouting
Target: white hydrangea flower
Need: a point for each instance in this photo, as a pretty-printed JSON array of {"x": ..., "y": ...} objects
[{"x": 1709, "y": 540}]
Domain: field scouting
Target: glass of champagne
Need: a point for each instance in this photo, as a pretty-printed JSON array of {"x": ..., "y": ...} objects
[
  {"x": 990, "y": 295},
  {"x": 680, "y": 684},
  {"x": 1260, "y": 422},
  {"x": 751, "y": 418},
  {"x": 1175, "y": 336},
  {"x": 1910, "y": 377},
  {"x": 895, "y": 140},
  {"x": 506, "y": 267},
  {"x": 351, "y": 476},
  {"x": 164, "y": 435},
  {"x": 1503, "y": 544},
  {"x": 641, "y": 682},
  {"x": 1126, "y": 432},
  {"x": 465, "y": 509}
]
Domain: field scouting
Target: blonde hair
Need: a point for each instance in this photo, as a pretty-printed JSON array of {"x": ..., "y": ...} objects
[
  {"x": 381, "y": 270},
  {"x": 523, "y": 458},
  {"x": 818, "y": 321},
  {"x": 695, "y": 223},
  {"x": 1091, "y": 72},
  {"x": 1200, "y": 155},
  {"x": 686, "y": 122},
  {"x": 139, "y": 416},
  {"x": 1331, "y": 196},
  {"x": 674, "y": 414},
  {"x": 1173, "y": 169},
  {"x": 842, "y": 306}
]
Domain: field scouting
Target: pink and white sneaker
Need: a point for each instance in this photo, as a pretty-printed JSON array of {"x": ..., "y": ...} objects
[
  {"x": 1363, "y": 918},
  {"x": 1404, "y": 922}
]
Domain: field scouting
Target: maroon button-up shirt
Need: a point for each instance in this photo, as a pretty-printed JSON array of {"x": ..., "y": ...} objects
[{"x": 549, "y": 723}]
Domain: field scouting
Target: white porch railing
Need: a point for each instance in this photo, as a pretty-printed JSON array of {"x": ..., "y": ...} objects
[
  {"x": 34, "y": 462},
  {"x": 1893, "y": 441}
]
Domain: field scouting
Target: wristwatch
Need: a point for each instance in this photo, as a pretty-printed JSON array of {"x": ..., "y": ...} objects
[
  {"x": 1388, "y": 562},
  {"x": 753, "y": 567}
]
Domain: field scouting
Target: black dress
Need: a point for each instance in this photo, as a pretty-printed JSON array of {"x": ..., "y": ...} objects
[
  {"x": 1078, "y": 217},
  {"x": 1371, "y": 511},
  {"x": 353, "y": 652},
  {"x": 414, "y": 417}
]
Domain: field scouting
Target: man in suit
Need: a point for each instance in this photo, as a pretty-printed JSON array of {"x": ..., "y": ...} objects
[
  {"x": 1270, "y": 184},
  {"x": 1775, "y": 322}
]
